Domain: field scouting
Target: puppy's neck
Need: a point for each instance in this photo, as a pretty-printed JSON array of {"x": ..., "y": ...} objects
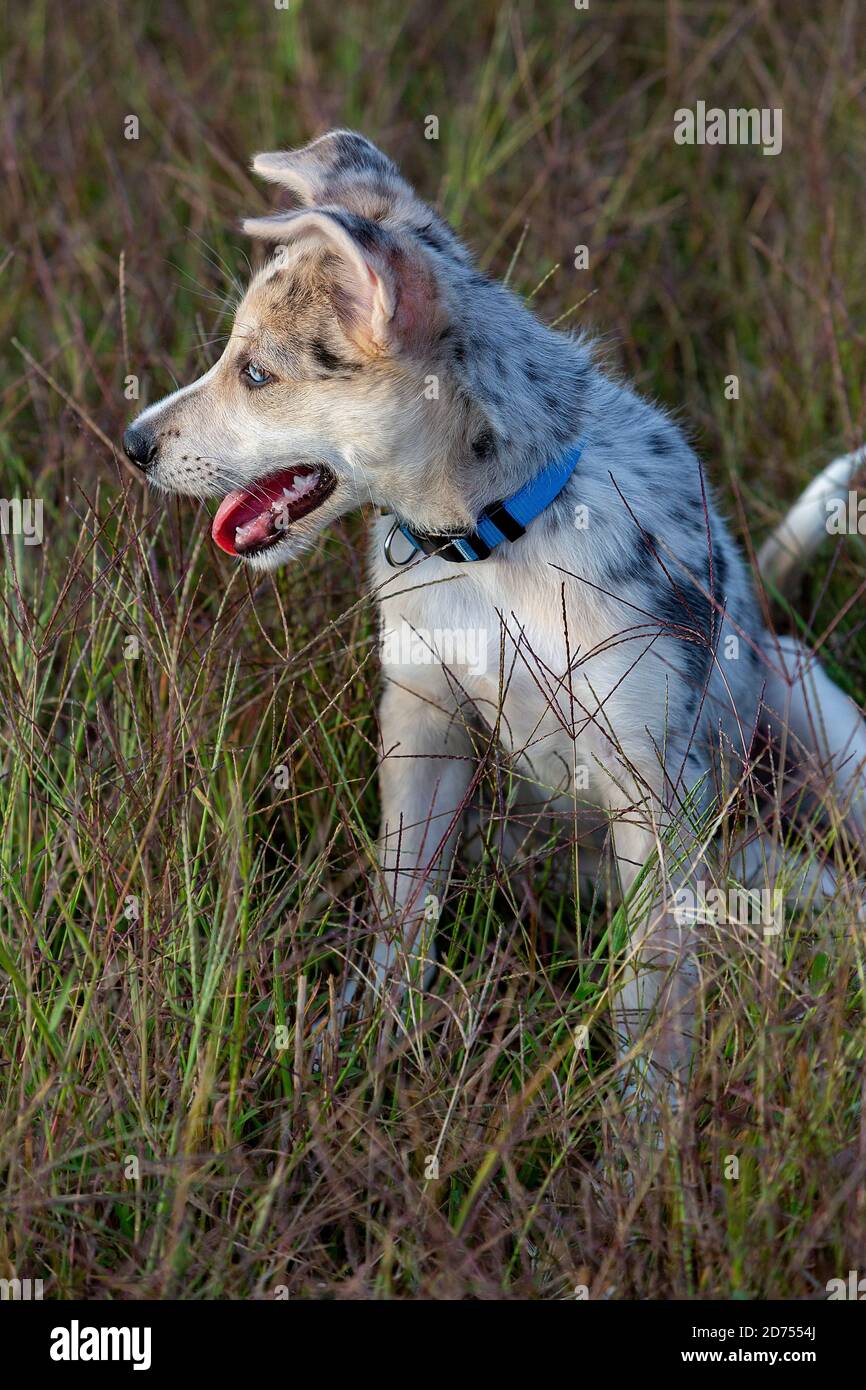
[{"x": 528, "y": 391}]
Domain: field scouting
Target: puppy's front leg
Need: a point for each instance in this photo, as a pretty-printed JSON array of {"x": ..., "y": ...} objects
[
  {"x": 424, "y": 777},
  {"x": 656, "y": 1006}
]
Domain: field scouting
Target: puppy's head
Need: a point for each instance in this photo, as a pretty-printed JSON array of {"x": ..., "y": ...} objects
[{"x": 332, "y": 390}]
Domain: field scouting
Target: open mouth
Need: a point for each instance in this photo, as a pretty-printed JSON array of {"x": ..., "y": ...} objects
[{"x": 253, "y": 519}]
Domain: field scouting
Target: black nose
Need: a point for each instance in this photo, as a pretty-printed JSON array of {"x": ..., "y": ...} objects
[{"x": 140, "y": 446}]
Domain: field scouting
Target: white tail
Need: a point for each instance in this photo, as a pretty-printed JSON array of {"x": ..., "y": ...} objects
[
  {"x": 797, "y": 537},
  {"x": 820, "y": 726}
]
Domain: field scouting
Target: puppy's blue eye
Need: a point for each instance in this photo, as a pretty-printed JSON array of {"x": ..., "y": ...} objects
[{"x": 256, "y": 374}]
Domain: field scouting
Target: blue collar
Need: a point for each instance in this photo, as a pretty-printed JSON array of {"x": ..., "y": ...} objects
[{"x": 501, "y": 521}]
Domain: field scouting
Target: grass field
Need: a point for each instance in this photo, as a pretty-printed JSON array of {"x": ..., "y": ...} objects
[{"x": 174, "y": 912}]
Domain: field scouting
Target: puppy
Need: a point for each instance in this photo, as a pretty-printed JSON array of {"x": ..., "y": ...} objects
[{"x": 535, "y": 506}]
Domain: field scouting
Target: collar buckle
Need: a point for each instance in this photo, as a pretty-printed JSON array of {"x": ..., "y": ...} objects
[{"x": 389, "y": 541}]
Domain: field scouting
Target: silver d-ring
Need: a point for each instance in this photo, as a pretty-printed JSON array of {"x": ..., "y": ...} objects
[{"x": 395, "y": 564}]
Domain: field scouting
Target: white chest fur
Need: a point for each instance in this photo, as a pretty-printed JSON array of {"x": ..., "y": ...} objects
[{"x": 536, "y": 653}]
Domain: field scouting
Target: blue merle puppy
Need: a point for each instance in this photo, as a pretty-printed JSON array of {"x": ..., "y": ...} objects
[{"x": 552, "y": 571}]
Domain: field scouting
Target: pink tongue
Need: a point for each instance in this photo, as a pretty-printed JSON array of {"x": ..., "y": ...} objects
[{"x": 246, "y": 518}]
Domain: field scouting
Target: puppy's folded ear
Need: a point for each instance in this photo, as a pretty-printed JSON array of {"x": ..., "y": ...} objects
[
  {"x": 345, "y": 169},
  {"x": 383, "y": 288},
  {"x": 342, "y": 167}
]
